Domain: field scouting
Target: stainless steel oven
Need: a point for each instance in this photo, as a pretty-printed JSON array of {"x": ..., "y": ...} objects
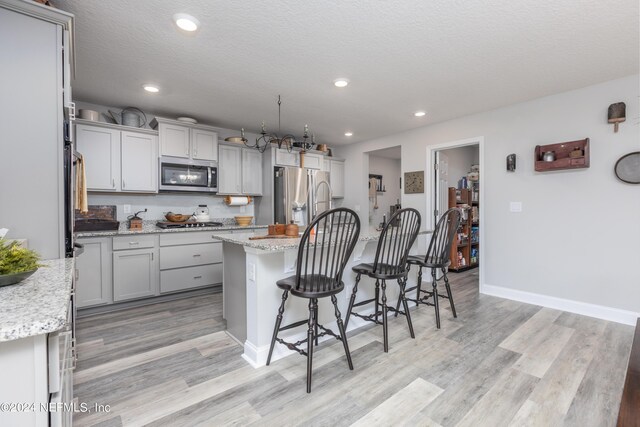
[{"x": 188, "y": 175}]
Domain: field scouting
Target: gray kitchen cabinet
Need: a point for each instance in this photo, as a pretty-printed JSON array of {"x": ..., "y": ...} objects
[
  {"x": 188, "y": 141},
  {"x": 93, "y": 273},
  {"x": 100, "y": 148},
  {"x": 174, "y": 140},
  {"x": 204, "y": 144},
  {"x": 335, "y": 167},
  {"x": 188, "y": 261},
  {"x": 229, "y": 169},
  {"x": 139, "y": 166},
  {"x": 312, "y": 160},
  {"x": 135, "y": 274},
  {"x": 117, "y": 159},
  {"x": 285, "y": 158},
  {"x": 251, "y": 172}
]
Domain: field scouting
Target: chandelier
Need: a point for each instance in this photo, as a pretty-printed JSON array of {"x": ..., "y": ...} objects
[{"x": 287, "y": 141}]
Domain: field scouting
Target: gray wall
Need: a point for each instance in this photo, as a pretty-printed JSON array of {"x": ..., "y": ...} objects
[{"x": 577, "y": 237}]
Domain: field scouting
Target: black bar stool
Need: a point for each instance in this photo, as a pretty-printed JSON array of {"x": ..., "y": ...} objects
[
  {"x": 437, "y": 258},
  {"x": 390, "y": 263},
  {"x": 322, "y": 257}
]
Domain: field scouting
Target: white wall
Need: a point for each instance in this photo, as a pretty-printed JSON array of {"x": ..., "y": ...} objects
[
  {"x": 390, "y": 171},
  {"x": 460, "y": 161},
  {"x": 577, "y": 237}
]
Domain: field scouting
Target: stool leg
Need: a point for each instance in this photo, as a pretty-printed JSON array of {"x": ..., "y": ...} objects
[
  {"x": 315, "y": 316},
  {"x": 399, "y": 300},
  {"x": 385, "y": 332},
  {"x": 377, "y": 304},
  {"x": 419, "y": 288},
  {"x": 343, "y": 334},
  {"x": 351, "y": 301},
  {"x": 277, "y": 327},
  {"x": 436, "y": 303},
  {"x": 310, "y": 344},
  {"x": 446, "y": 284},
  {"x": 403, "y": 284}
]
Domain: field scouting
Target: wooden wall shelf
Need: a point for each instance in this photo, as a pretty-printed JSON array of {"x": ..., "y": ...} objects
[{"x": 564, "y": 160}]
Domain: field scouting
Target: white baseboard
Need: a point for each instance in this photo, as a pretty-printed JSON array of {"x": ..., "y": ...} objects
[{"x": 592, "y": 310}]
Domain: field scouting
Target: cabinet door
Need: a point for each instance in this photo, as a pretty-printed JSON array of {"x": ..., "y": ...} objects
[
  {"x": 313, "y": 161},
  {"x": 135, "y": 274},
  {"x": 337, "y": 179},
  {"x": 93, "y": 273},
  {"x": 229, "y": 170},
  {"x": 284, "y": 158},
  {"x": 174, "y": 140},
  {"x": 139, "y": 162},
  {"x": 252, "y": 172},
  {"x": 100, "y": 148},
  {"x": 204, "y": 144}
]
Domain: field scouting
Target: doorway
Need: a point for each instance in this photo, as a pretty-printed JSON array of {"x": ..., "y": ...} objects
[
  {"x": 385, "y": 170},
  {"x": 455, "y": 179}
]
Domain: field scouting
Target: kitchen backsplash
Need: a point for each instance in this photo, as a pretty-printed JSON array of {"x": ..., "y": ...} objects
[{"x": 158, "y": 204}]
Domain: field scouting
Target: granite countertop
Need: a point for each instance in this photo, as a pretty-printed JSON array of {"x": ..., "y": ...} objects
[
  {"x": 149, "y": 227},
  {"x": 37, "y": 305},
  {"x": 276, "y": 245}
]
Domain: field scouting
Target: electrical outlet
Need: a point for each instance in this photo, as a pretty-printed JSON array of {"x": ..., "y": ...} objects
[
  {"x": 127, "y": 208},
  {"x": 251, "y": 272},
  {"x": 515, "y": 206}
]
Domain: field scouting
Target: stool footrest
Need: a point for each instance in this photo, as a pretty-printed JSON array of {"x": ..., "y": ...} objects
[
  {"x": 293, "y": 325},
  {"x": 295, "y": 346},
  {"x": 369, "y": 318},
  {"x": 367, "y": 301}
]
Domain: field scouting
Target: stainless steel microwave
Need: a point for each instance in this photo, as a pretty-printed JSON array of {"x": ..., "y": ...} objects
[{"x": 188, "y": 175}]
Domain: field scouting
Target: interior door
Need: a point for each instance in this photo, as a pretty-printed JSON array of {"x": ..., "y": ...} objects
[{"x": 441, "y": 193}]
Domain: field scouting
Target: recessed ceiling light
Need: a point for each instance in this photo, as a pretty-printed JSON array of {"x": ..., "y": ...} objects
[
  {"x": 186, "y": 22},
  {"x": 420, "y": 114},
  {"x": 151, "y": 88},
  {"x": 341, "y": 82},
  {"x": 348, "y": 134}
]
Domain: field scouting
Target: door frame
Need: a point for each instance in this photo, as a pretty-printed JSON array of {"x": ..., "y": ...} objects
[{"x": 430, "y": 185}]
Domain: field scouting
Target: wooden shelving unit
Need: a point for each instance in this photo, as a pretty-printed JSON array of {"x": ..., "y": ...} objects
[{"x": 465, "y": 247}]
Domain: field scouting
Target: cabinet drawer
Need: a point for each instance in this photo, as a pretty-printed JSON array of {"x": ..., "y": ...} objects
[
  {"x": 190, "y": 255},
  {"x": 190, "y": 277},
  {"x": 134, "y": 242},
  {"x": 186, "y": 238}
]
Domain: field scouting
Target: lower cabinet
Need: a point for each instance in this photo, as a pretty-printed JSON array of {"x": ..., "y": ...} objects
[
  {"x": 135, "y": 274},
  {"x": 186, "y": 262},
  {"x": 93, "y": 273}
]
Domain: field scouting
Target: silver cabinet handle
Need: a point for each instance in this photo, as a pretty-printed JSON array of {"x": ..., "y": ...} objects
[
  {"x": 196, "y": 255},
  {"x": 123, "y": 183},
  {"x": 113, "y": 182},
  {"x": 134, "y": 243},
  {"x": 151, "y": 256},
  {"x": 77, "y": 274},
  {"x": 197, "y": 277}
]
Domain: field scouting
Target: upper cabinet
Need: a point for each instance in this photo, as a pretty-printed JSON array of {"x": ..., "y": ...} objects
[
  {"x": 179, "y": 139},
  {"x": 239, "y": 171},
  {"x": 118, "y": 160},
  {"x": 335, "y": 167}
]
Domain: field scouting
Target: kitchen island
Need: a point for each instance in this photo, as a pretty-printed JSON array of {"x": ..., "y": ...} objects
[{"x": 251, "y": 297}]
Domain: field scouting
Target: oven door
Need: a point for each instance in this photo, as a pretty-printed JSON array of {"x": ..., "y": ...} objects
[{"x": 178, "y": 176}]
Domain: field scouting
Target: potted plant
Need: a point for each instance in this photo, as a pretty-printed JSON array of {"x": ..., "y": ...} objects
[{"x": 16, "y": 262}]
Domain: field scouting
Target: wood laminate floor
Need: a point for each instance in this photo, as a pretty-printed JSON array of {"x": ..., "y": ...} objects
[{"x": 500, "y": 363}]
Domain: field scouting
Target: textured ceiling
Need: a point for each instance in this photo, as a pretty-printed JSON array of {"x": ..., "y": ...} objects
[{"x": 447, "y": 57}]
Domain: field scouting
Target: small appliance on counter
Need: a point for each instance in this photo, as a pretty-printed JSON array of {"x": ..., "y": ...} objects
[
  {"x": 135, "y": 222},
  {"x": 202, "y": 214}
]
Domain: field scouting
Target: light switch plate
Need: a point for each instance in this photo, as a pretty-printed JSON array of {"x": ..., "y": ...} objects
[
  {"x": 515, "y": 207},
  {"x": 127, "y": 208},
  {"x": 251, "y": 272}
]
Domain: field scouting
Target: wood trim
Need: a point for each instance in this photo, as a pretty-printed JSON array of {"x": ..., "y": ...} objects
[{"x": 629, "y": 414}]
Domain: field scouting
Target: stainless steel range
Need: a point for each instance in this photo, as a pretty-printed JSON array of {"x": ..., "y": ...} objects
[{"x": 188, "y": 224}]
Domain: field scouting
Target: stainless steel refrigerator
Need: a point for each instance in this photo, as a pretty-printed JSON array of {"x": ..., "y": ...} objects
[{"x": 300, "y": 194}]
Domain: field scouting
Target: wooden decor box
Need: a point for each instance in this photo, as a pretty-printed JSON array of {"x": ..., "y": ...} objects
[{"x": 568, "y": 155}]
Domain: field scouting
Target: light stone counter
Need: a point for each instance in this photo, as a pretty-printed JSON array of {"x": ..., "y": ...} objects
[
  {"x": 149, "y": 227},
  {"x": 39, "y": 304}
]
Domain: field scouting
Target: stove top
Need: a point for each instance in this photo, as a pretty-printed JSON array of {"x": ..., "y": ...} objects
[{"x": 188, "y": 224}]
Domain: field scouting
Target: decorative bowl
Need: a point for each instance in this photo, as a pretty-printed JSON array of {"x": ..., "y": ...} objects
[
  {"x": 243, "y": 221},
  {"x": 177, "y": 217},
  {"x": 12, "y": 279}
]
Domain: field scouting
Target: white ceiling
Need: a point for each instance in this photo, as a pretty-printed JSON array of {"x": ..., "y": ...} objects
[{"x": 450, "y": 58}]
